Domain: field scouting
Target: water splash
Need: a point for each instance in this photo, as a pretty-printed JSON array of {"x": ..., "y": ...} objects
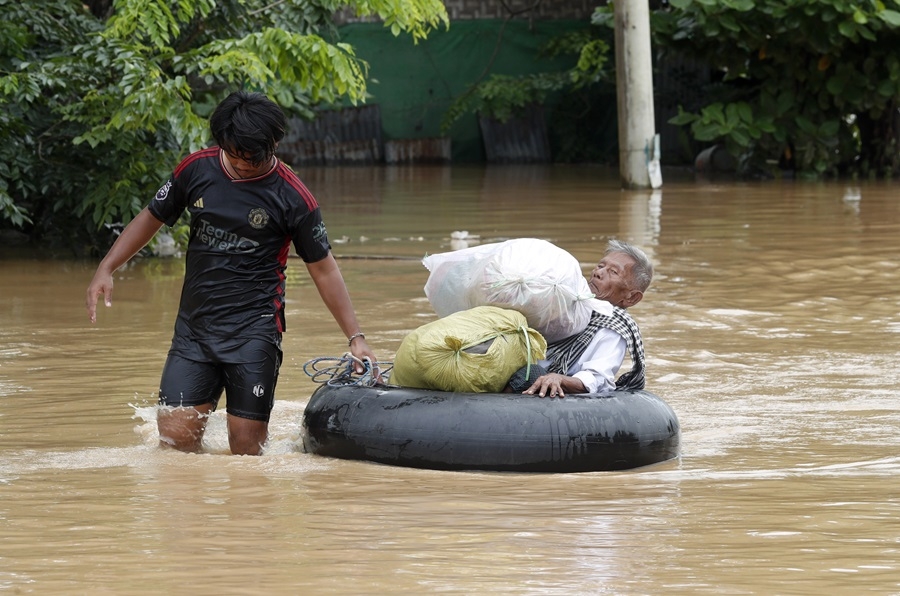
[{"x": 284, "y": 429}]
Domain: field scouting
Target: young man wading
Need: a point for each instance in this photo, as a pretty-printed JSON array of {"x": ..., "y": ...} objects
[{"x": 246, "y": 210}]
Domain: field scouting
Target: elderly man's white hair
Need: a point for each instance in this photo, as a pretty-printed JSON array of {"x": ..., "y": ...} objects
[{"x": 643, "y": 268}]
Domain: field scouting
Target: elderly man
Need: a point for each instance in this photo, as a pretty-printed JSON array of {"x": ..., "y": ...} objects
[{"x": 588, "y": 361}]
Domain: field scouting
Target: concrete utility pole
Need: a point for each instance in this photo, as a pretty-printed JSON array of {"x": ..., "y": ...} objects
[{"x": 638, "y": 143}]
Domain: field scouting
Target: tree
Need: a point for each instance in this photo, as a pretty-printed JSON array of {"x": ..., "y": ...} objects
[
  {"x": 812, "y": 84},
  {"x": 570, "y": 88},
  {"x": 504, "y": 96},
  {"x": 98, "y": 99}
]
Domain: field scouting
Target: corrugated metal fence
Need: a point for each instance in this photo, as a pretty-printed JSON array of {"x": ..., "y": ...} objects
[
  {"x": 354, "y": 136},
  {"x": 522, "y": 139}
]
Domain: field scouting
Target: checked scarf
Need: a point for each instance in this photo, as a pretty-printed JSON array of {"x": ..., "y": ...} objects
[{"x": 564, "y": 352}]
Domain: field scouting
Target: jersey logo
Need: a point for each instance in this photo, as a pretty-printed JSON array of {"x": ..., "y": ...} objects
[
  {"x": 163, "y": 192},
  {"x": 258, "y": 218},
  {"x": 319, "y": 232},
  {"x": 199, "y": 203},
  {"x": 223, "y": 240}
]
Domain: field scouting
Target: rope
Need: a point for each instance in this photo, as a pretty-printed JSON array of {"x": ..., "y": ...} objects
[
  {"x": 524, "y": 330},
  {"x": 341, "y": 371}
]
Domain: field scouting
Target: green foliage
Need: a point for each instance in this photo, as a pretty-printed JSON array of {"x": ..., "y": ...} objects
[
  {"x": 734, "y": 124},
  {"x": 815, "y": 81},
  {"x": 416, "y": 17},
  {"x": 502, "y": 97},
  {"x": 97, "y": 112}
]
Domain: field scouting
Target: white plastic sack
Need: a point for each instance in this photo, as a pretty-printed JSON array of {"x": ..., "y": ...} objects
[{"x": 535, "y": 277}]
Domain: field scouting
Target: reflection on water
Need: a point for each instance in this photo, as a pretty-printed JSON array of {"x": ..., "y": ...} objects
[{"x": 771, "y": 329}]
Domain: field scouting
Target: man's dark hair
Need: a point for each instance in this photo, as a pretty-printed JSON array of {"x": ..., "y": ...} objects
[{"x": 248, "y": 125}]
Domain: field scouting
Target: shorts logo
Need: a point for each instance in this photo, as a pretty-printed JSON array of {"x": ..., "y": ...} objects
[
  {"x": 259, "y": 390},
  {"x": 258, "y": 218},
  {"x": 163, "y": 192}
]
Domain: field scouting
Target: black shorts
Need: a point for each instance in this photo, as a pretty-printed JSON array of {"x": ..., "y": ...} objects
[{"x": 249, "y": 385}]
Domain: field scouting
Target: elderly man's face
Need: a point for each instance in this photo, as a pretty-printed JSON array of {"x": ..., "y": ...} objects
[{"x": 611, "y": 280}]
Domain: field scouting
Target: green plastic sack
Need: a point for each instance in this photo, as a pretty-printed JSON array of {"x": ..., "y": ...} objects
[{"x": 475, "y": 350}]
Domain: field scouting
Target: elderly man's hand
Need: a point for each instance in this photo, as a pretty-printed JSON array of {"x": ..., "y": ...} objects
[{"x": 550, "y": 384}]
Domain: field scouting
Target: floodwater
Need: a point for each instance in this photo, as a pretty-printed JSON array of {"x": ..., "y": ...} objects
[{"x": 771, "y": 328}]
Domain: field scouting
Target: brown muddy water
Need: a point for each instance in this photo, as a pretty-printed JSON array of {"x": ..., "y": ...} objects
[{"x": 771, "y": 328}]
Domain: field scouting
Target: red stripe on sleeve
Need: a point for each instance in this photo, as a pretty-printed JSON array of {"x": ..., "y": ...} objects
[
  {"x": 291, "y": 178},
  {"x": 203, "y": 153}
]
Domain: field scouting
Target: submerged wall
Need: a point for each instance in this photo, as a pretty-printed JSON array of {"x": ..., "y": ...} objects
[{"x": 413, "y": 85}]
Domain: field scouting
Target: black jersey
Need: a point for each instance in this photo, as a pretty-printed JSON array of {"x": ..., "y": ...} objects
[{"x": 241, "y": 233}]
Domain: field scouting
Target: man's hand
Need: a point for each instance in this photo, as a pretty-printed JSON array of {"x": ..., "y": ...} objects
[
  {"x": 101, "y": 284},
  {"x": 555, "y": 385},
  {"x": 135, "y": 236},
  {"x": 361, "y": 351}
]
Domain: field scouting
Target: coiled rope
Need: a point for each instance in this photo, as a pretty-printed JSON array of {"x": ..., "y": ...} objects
[{"x": 342, "y": 371}]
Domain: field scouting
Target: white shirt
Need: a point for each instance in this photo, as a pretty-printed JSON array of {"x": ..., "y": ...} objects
[
  {"x": 603, "y": 357},
  {"x": 600, "y": 362}
]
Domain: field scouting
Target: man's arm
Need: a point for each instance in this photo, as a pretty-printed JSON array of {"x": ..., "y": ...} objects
[
  {"x": 133, "y": 238},
  {"x": 598, "y": 366},
  {"x": 601, "y": 361},
  {"x": 330, "y": 284}
]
